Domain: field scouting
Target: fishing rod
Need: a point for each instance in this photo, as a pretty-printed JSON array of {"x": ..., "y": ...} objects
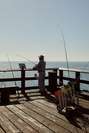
[
  {"x": 12, "y": 74},
  {"x": 65, "y": 51},
  {"x": 26, "y": 59},
  {"x": 2, "y": 83}
]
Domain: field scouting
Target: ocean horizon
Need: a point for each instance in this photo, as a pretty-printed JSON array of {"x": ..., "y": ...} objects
[{"x": 84, "y": 65}]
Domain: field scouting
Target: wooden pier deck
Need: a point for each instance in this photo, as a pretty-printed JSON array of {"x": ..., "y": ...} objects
[{"x": 39, "y": 115}]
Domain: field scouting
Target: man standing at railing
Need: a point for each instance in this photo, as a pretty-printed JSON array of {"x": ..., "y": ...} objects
[{"x": 40, "y": 67}]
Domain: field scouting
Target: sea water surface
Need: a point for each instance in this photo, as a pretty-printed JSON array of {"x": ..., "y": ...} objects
[{"x": 53, "y": 64}]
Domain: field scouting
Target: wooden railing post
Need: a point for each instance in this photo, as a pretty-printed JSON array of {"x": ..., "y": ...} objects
[
  {"x": 52, "y": 76},
  {"x": 23, "y": 79},
  {"x": 55, "y": 70},
  {"x": 77, "y": 87},
  {"x": 60, "y": 77},
  {"x": 5, "y": 93}
]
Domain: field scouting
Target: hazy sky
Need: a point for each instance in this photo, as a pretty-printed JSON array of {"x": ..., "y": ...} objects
[{"x": 32, "y": 27}]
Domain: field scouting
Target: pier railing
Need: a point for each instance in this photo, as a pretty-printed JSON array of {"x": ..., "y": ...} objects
[
  {"x": 54, "y": 77},
  {"x": 59, "y": 74}
]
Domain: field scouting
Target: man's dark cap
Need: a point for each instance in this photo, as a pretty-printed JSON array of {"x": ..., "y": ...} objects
[{"x": 41, "y": 57}]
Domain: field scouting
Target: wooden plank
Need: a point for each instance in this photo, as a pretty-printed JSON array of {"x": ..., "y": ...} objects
[
  {"x": 48, "y": 107},
  {"x": 1, "y": 130},
  {"x": 37, "y": 97},
  {"x": 51, "y": 117},
  {"x": 19, "y": 123},
  {"x": 45, "y": 121},
  {"x": 7, "y": 125},
  {"x": 84, "y": 103},
  {"x": 28, "y": 119},
  {"x": 47, "y": 103}
]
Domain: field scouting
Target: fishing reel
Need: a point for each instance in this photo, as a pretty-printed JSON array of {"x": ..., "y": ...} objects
[{"x": 22, "y": 66}]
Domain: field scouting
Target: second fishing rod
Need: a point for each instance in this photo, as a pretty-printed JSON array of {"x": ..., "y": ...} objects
[
  {"x": 13, "y": 75},
  {"x": 23, "y": 57}
]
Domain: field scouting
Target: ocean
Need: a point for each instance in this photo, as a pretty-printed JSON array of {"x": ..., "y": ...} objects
[
  {"x": 49, "y": 64},
  {"x": 15, "y": 65}
]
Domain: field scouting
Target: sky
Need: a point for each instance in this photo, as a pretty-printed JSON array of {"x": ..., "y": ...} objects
[{"x": 29, "y": 28}]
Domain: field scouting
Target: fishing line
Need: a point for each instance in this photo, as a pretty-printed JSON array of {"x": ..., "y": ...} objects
[
  {"x": 66, "y": 55},
  {"x": 13, "y": 74},
  {"x": 3, "y": 83},
  {"x": 26, "y": 59}
]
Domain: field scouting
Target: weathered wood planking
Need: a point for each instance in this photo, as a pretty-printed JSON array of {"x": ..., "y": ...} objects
[
  {"x": 2, "y": 130},
  {"x": 51, "y": 108},
  {"x": 19, "y": 123},
  {"x": 51, "y": 117},
  {"x": 38, "y": 116},
  {"x": 7, "y": 125},
  {"x": 45, "y": 121},
  {"x": 28, "y": 119},
  {"x": 84, "y": 103}
]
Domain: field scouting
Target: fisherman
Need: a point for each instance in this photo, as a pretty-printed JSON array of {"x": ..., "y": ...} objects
[{"x": 40, "y": 67}]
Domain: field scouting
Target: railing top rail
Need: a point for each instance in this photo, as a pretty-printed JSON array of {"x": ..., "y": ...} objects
[
  {"x": 74, "y": 70},
  {"x": 64, "y": 69},
  {"x": 27, "y": 69},
  {"x": 9, "y": 70}
]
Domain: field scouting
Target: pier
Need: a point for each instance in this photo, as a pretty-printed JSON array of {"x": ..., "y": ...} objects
[{"x": 33, "y": 113}]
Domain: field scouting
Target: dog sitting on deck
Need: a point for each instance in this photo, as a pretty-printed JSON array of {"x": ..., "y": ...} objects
[{"x": 65, "y": 96}]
